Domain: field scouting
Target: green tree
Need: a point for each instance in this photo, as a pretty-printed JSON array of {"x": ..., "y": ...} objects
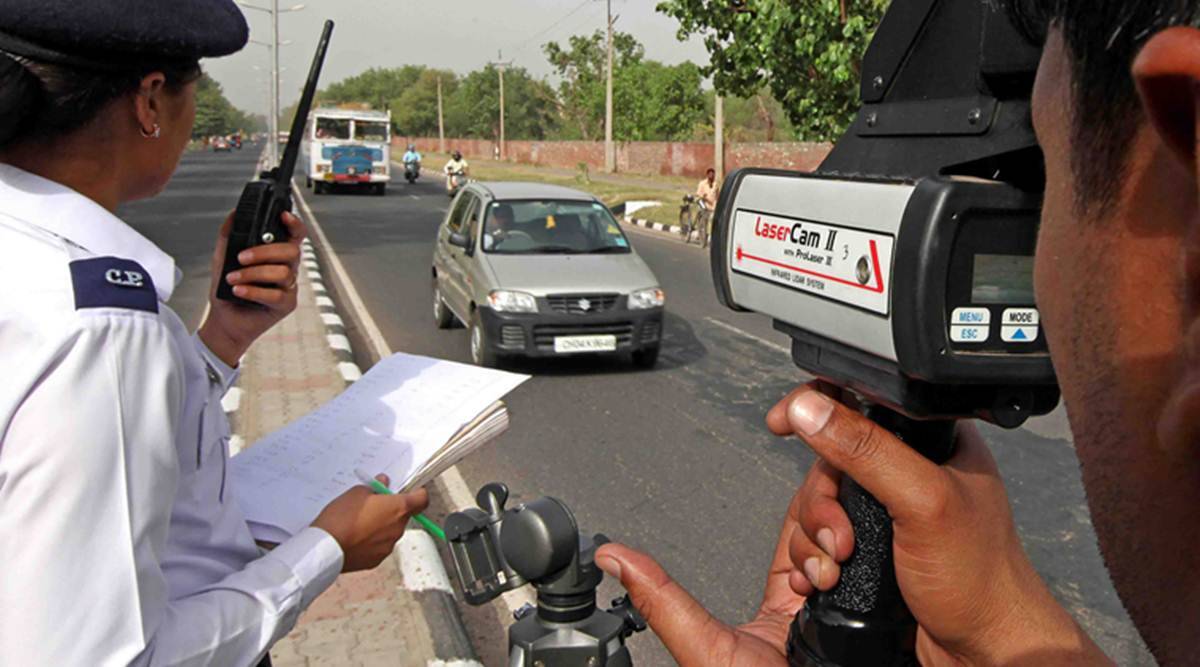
[
  {"x": 474, "y": 108},
  {"x": 414, "y": 112},
  {"x": 214, "y": 113},
  {"x": 657, "y": 102},
  {"x": 808, "y": 52},
  {"x": 582, "y": 65},
  {"x": 376, "y": 87}
]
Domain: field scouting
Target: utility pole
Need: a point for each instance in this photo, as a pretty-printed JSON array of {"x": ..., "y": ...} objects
[
  {"x": 274, "y": 44},
  {"x": 610, "y": 155},
  {"x": 719, "y": 137},
  {"x": 441, "y": 125},
  {"x": 500, "y": 67}
]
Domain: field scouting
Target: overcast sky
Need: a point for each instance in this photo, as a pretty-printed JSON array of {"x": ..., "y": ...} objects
[{"x": 461, "y": 36}]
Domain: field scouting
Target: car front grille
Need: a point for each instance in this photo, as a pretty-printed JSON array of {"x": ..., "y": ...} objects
[
  {"x": 544, "y": 334},
  {"x": 574, "y": 304},
  {"x": 650, "y": 332},
  {"x": 512, "y": 337}
]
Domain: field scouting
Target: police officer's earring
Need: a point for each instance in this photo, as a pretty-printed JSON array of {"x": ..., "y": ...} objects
[{"x": 154, "y": 134}]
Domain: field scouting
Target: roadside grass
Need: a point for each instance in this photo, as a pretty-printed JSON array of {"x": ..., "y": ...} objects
[
  {"x": 612, "y": 189},
  {"x": 667, "y": 214}
]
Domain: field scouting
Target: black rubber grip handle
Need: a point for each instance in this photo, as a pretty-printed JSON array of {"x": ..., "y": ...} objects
[{"x": 864, "y": 619}]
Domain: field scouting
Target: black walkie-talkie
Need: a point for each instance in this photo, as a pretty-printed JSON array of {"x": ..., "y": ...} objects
[{"x": 256, "y": 221}]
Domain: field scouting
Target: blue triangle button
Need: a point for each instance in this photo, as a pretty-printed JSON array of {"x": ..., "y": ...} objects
[{"x": 1020, "y": 335}]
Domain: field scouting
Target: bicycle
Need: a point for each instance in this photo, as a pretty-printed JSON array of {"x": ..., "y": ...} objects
[{"x": 690, "y": 222}]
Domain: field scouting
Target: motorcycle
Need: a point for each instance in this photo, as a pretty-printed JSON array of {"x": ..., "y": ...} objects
[
  {"x": 457, "y": 180},
  {"x": 412, "y": 171}
]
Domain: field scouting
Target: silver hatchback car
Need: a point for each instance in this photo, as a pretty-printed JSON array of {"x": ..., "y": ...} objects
[{"x": 538, "y": 270}]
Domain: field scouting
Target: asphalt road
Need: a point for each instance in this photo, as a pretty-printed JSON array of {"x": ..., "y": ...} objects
[{"x": 675, "y": 460}]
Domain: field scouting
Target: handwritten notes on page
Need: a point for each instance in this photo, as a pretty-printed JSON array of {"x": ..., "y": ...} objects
[{"x": 404, "y": 418}]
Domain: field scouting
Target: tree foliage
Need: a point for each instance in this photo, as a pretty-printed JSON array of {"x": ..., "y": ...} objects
[
  {"x": 583, "y": 65},
  {"x": 215, "y": 115},
  {"x": 808, "y": 52}
]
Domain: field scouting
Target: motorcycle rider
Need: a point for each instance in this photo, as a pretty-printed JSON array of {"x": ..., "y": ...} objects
[
  {"x": 412, "y": 160},
  {"x": 456, "y": 165}
]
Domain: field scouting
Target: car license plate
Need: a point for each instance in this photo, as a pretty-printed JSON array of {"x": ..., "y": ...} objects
[{"x": 569, "y": 344}]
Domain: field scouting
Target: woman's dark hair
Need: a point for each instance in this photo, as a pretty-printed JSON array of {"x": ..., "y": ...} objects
[
  {"x": 41, "y": 100},
  {"x": 1103, "y": 37}
]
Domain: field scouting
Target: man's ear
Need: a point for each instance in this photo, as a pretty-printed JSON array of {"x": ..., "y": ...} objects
[
  {"x": 148, "y": 102},
  {"x": 1167, "y": 72}
]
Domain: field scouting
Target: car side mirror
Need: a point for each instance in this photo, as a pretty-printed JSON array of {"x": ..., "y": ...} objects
[{"x": 461, "y": 240}]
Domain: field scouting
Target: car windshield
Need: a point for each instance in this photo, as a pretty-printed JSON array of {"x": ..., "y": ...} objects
[
  {"x": 549, "y": 226},
  {"x": 333, "y": 128},
  {"x": 365, "y": 130}
]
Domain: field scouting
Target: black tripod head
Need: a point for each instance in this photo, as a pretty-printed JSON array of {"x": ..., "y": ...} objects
[{"x": 497, "y": 550}]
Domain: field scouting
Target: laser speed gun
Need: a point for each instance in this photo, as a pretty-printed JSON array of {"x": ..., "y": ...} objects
[
  {"x": 256, "y": 220},
  {"x": 902, "y": 270}
]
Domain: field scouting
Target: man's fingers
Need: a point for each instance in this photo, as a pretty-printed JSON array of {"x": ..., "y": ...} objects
[
  {"x": 903, "y": 480},
  {"x": 415, "y": 502},
  {"x": 295, "y": 227},
  {"x": 262, "y": 295},
  {"x": 813, "y": 562},
  {"x": 777, "y": 419},
  {"x": 263, "y": 274},
  {"x": 275, "y": 253},
  {"x": 689, "y": 632},
  {"x": 821, "y": 516}
]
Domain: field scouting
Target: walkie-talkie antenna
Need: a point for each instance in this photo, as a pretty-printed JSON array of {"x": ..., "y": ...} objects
[{"x": 287, "y": 165}]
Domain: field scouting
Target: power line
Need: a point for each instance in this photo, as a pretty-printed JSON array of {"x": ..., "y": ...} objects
[{"x": 520, "y": 47}]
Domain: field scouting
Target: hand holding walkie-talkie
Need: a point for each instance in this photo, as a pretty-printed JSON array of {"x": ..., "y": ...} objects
[{"x": 257, "y": 220}]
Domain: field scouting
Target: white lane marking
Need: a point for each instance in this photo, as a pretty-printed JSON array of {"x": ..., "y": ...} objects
[
  {"x": 419, "y": 563},
  {"x": 236, "y": 444},
  {"x": 452, "y": 484},
  {"x": 374, "y": 335},
  {"x": 747, "y": 334},
  {"x": 232, "y": 400},
  {"x": 338, "y": 342},
  {"x": 415, "y": 197},
  {"x": 332, "y": 320},
  {"x": 350, "y": 372}
]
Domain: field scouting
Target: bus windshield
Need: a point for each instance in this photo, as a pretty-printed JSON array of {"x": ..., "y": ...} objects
[
  {"x": 365, "y": 130},
  {"x": 333, "y": 128}
]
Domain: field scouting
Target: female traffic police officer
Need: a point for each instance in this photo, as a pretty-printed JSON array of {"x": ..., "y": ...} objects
[{"x": 119, "y": 542}]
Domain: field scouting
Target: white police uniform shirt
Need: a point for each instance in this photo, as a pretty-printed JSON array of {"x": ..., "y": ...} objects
[{"x": 119, "y": 540}]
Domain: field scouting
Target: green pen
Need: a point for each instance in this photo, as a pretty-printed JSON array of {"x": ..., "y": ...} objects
[{"x": 378, "y": 487}]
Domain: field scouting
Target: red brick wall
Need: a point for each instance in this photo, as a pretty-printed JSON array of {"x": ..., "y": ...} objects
[{"x": 639, "y": 157}]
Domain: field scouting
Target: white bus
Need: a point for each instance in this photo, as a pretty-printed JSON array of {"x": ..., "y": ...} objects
[{"x": 345, "y": 147}]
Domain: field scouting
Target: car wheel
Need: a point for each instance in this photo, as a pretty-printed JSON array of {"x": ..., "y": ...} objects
[
  {"x": 381, "y": 189},
  {"x": 481, "y": 352},
  {"x": 441, "y": 314},
  {"x": 308, "y": 183},
  {"x": 646, "y": 358},
  {"x": 318, "y": 188}
]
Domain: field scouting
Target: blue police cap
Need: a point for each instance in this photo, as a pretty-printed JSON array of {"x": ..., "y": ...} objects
[{"x": 121, "y": 34}]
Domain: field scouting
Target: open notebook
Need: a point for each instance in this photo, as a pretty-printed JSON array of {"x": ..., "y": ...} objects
[{"x": 409, "y": 417}]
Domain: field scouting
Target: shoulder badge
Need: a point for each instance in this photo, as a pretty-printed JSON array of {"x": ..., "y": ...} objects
[{"x": 112, "y": 282}]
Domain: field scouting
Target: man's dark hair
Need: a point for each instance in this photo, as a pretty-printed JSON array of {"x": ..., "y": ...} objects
[
  {"x": 1103, "y": 37},
  {"x": 710, "y": 171},
  {"x": 40, "y": 101}
]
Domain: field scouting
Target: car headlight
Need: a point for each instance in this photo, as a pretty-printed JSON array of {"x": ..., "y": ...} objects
[
  {"x": 506, "y": 301},
  {"x": 647, "y": 298},
  {"x": 323, "y": 168},
  {"x": 381, "y": 171}
]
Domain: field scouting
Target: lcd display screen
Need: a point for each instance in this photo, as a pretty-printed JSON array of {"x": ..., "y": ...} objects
[{"x": 1003, "y": 279}]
